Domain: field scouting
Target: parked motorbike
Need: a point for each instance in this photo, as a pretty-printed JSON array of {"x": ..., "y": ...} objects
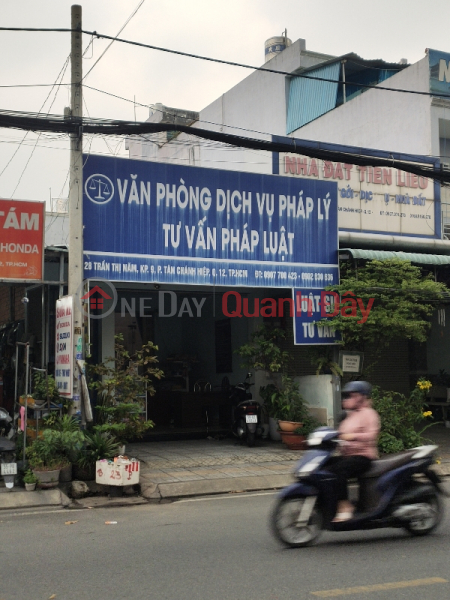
[
  {"x": 8, "y": 465},
  {"x": 389, "y": 495},
  {"x": 247, "y": 419}
]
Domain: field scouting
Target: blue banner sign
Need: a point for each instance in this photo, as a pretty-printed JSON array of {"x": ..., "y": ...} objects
[
  {"x": 439, "y": 63},
  {"x": 311, "y": 306},
  {"x": 163, "y": 223}
]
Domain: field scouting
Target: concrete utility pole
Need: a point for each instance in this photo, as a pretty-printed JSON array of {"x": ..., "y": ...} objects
[{"x": 76, "y": 198}]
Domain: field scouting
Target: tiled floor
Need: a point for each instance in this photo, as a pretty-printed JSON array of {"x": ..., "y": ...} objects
[
  {"x": 163, "y": 462},
  {"x": 189, "y": 460}
]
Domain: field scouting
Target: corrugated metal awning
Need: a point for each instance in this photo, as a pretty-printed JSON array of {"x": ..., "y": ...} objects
[
  {"x": 414, "y": 257},
  {"x": 309, "y": 99}
]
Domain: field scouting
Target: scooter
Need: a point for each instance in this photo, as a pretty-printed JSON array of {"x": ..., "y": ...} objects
[
  {"x": 247, "y": 420},
  {"x": 389, "y": 494},
  {"x": 8, "y": 465}
]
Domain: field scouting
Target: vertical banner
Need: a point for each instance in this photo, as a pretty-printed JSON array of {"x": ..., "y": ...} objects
[
  {"x": 64, "y": 346},
  {"x": 22, "y": 240},
  {"x": 311, "y": 306}
]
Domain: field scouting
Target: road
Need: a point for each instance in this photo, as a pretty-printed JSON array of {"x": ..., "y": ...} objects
[{"x": 217, "y": 548}]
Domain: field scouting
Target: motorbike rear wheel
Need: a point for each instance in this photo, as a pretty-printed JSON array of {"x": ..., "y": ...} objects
[
  {"x": 286, "y": 528},
  {"x": 426, "y": 524}
]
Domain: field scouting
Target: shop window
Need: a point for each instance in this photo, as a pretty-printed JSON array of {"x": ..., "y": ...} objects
[{"x": 224, "y": 356}]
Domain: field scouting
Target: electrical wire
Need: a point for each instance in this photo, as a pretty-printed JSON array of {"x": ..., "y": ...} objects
[
  {"x": 59, "y": 76},
  {"x": 24, "y": 137},
  {"x": 76, "y": 125},
  {"x": 227, "y": 62},
  {"x": 112, "y": 42}
]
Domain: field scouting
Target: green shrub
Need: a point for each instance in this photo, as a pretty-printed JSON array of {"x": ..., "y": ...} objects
[{"x": 402, "y": 418}]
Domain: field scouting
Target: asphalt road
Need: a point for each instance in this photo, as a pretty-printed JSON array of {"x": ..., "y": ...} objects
[{"x": 218, "y": 548}]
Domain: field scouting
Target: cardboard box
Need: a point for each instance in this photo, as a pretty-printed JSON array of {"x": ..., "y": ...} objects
[{"x": 121, "y": 472}]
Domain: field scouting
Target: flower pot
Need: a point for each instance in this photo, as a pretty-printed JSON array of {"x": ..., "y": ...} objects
[
  {"x": 273, "y": 430},
  {"x": 289, "y": 426},
  {"x": 66, "y": 473},
  {"x": 47, "y": 479},
  {"x": 293, "y": 441},
  {"x": 30, "y": 487}
]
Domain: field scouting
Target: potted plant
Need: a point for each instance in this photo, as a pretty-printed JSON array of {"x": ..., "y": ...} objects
[
  {"x": 119, "y": 382},
  {"x": 264, "y": 352},
  {"x": 98, "y": 445},
  {"x": 44, "y": 388},
  {"x": 290, "y": 407},
  {"x": 45, "y": 460},
  {"x": 296, "y": 439},
  {"x": 30, "y": 480},
  {"x": 68, "y": 439}
]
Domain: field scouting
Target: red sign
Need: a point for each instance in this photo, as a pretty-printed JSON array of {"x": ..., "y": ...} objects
[{"x": 22, "y": 239}]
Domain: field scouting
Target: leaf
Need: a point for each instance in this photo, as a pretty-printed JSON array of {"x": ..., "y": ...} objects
[{"x": 68, "y": 523}]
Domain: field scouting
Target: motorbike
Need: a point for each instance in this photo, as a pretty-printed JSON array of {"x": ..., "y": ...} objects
[
  {"x": 247, "y": 418},
  {"x": 389, "y": 494},
  {"x": 8, "y": 464}
]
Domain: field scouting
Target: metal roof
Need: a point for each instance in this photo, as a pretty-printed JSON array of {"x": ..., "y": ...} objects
[{"x": 424, "y": 259}]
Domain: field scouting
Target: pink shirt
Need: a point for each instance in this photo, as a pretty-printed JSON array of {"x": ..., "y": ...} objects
[{"x": 364, "y": 424}]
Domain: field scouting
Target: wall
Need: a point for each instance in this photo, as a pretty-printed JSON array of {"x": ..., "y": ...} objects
[
  {"x": 438, "y": 348},
  {"x": 380, "y": 119},
  {"x": 255, "y": 106},
  {"x": 11, "y": 311}
]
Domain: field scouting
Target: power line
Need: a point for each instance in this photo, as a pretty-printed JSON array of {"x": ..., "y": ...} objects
[
  {"x": 71, "y": 125},
  {"x": 112, "y": 42},
  {"x": 229, "y": 63}
]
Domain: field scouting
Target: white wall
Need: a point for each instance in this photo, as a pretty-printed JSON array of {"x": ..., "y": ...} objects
[
  {"x": 379, "y": 119},
  {"x": 255, "y": 107}
]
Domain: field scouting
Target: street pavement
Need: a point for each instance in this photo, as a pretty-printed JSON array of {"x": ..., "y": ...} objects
[
  {"x": 173, "y": 470},
  {"x": 212, "y": 547}
]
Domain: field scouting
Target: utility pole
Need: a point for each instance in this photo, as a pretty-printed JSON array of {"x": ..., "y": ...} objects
[{"x": 76, "y": 199}]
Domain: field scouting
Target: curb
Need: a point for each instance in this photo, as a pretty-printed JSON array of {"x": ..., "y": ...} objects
[
  {"x": 19, "y": 499},
  {"x": 205, "y": 487},
  {"x": 160, "y": 492}
]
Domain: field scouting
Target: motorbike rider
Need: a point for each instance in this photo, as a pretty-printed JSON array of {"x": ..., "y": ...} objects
[{"x": 359, "y": 432}]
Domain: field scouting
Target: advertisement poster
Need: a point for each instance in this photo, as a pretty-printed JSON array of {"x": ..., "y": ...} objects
[
  {"x": 163, "y": 223},
  {"x": 22, "y": 240},
  {"x": 64, "y": 346}
]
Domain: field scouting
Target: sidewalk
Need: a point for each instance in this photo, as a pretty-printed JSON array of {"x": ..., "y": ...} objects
[
  {"x": 209, "y": 466},
  {"x": 171, "y": 470}
]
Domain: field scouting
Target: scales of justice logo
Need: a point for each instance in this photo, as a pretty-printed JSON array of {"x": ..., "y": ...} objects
[{"x": 99, "y": 188}]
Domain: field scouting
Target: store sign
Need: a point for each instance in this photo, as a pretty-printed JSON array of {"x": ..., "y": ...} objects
[
  {"x": 312, "y": 306},
  {"x": 21, "y": 240},
  {"x": 374, "y": 199},
  {"x": 155, "y": 222},
  {"x": 64, "y": 346},
  {"x": 351, "y": 362},
  {"x": 439, "y": 64}
]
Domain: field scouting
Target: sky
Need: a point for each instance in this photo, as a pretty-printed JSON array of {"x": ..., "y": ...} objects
[{"x": 36, "y": 167}]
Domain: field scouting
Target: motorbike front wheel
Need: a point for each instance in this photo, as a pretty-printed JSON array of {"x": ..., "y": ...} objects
[
  {"x": 431, "y": 518},
  {"x": 286, "y": 526}
]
